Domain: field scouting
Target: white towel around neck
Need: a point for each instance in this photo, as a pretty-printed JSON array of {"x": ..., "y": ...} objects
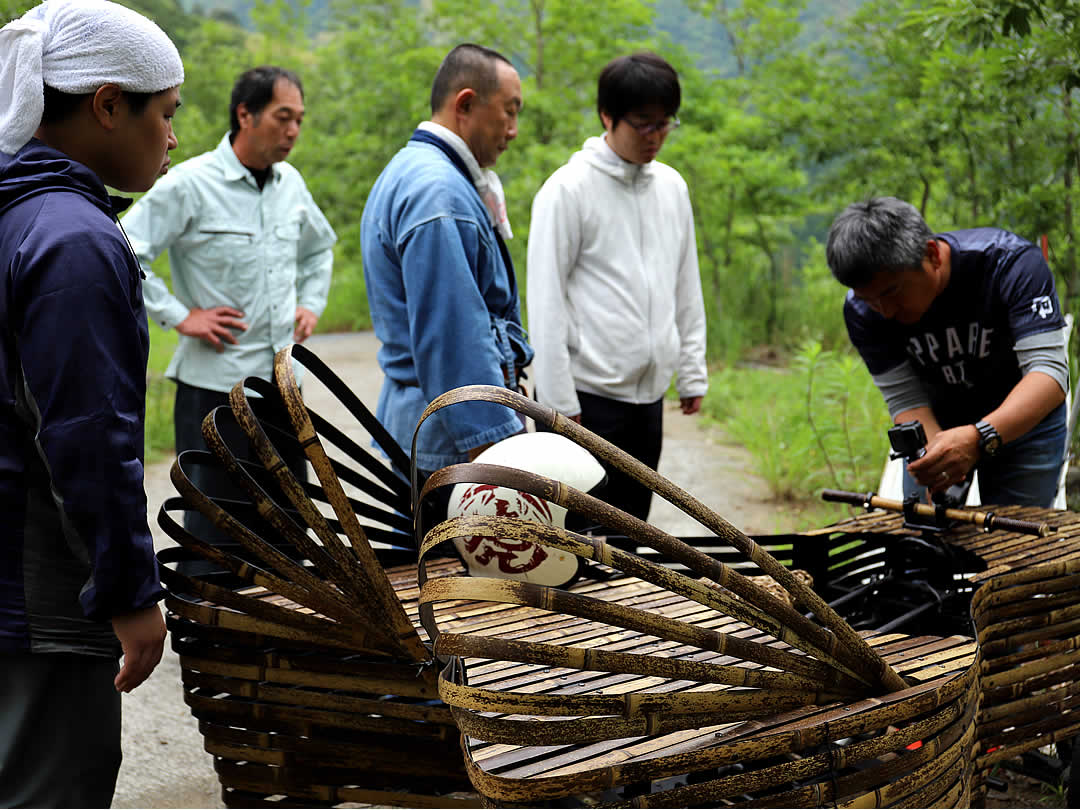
[{"x": 486, "y": 181}]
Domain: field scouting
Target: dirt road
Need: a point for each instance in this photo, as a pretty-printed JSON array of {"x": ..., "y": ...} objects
[{"x": 164, "y": 761}]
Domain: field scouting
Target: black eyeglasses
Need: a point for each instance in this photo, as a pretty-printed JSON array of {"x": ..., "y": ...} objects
[{"x": 663, "y": 127}]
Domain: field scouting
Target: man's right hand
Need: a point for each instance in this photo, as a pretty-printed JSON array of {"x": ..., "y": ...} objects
[{"x": 212, "y": 325}]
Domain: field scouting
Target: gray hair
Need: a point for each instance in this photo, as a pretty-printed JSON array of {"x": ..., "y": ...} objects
[{"x": 880, "y": 234}]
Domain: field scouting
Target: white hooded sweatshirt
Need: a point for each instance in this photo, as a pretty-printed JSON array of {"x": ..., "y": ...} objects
[{"x": 614, "y": 293}]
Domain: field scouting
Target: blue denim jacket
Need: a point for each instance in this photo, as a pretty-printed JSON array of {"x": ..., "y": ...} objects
[{"x": 443, "y": 302}]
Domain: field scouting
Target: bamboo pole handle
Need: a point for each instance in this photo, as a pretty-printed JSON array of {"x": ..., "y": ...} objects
[{"x": 984, "y": 520}]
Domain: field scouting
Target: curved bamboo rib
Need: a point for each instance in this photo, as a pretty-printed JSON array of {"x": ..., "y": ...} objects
[
  {"x": 784, "y": 627},
  {"x": 848, "y": 646},
  {"x": 389, "y": 607},
  {"x": 812, "y": 713},
  {"x": 933, "y": 717},
  {"x": 301, "y": 587},
  {"x": 653, "y": 666},
  {"x": 483, "y": 589},
  {"x": 335, "y": 561},
  {"x": 329, "y": 560},
  {"x": 640, "y": 685},
  {"x": 298, "y": 657},
  {"x": 628, "y": 705},
  {"x": 345, "y": 581},
  {"x": 377, "y": 479}
]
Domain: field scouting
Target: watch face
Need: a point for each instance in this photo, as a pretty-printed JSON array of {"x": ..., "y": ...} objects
[{"x": 989, "y": 439}]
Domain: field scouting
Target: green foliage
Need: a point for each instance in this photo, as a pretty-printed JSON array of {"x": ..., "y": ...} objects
[
  {"x": 160, "y": 437},
  {"x": 10, "y": 9},
  {"x": 964, "y": 107},
  {"x": 160, "y": 391},
  {"x": 818, "y": 424}
]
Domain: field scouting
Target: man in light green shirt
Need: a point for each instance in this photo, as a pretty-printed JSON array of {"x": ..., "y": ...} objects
[{"x": 250, "y": 253}]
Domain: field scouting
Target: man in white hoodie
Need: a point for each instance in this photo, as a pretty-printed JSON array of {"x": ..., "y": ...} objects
[{"x": 614, "y": 294}]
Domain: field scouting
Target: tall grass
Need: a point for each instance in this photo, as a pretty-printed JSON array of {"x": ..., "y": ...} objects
[
  {"x": 160, "y": 395},
  {"x": 819, "y": 423}
]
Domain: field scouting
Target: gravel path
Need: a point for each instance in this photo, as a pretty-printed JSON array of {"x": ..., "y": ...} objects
[{"x": 164, "y": 761}]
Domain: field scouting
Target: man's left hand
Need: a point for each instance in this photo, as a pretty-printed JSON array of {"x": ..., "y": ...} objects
[
  {"x": 142, "y": 638},
  {"x": 950, "y": 456},
  {"x": 305, "y": 324},
  {"x": 690, "y": 405}
]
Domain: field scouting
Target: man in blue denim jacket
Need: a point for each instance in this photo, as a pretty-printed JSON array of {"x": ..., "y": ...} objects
[{"x": 440, "y": 282}]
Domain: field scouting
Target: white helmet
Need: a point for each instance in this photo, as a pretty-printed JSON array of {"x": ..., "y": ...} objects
[{"x": 547, "y": 454}]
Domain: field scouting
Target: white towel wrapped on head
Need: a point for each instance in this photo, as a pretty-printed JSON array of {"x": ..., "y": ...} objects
[{"x": 75, "y": 46}]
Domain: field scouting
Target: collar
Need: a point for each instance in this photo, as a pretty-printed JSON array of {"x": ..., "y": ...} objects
[
  {"x": 457, "y": 143},
  {"x": 609, "y": 155},
  {"x": 233, "y": 170},
  {"x": 486, "y": 182},
  {"x": 597, "y": 152},
  {"x": 120, "y": 204}
]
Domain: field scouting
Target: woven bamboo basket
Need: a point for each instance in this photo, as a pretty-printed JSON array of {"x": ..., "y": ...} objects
[
  {"x": 678, "y": 681},
  {"x": 325, "y": 667},
  {"x": 311, "y": 683},
  {"x": 1025, "y": 611}
]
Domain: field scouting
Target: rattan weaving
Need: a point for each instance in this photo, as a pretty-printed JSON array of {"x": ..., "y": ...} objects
[
  {"x": 655, "y": 689},
  {"x": 1026, "y": 614},
  {"x": 322, "y": 673}
]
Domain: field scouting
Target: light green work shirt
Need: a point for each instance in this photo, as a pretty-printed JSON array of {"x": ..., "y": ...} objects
[{"x": 230, "y": 244}]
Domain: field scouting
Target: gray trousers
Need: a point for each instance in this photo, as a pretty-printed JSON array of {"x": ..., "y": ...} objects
[{"x": 59, "y": 730}]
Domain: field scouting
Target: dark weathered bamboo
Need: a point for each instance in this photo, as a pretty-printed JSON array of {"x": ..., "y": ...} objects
[
  {"x": 522, "y": 734},
  {"x": 987, "y": 521},
  {"x": 643, "y": 689},
  {"x": 390, "y": 610},
  {"x": 596, "y": 549},
  {"x": 298, "y": 658},
  {"x": 845, "y": 643},
  {"x": 1027, "y": 618},
  {"x": 945, "y": 709}
]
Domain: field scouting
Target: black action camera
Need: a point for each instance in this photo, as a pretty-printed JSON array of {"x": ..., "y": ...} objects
[{"x": 908, "y": 441}]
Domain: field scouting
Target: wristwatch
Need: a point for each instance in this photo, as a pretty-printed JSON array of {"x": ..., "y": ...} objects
[{"x": 989, "y": 438}]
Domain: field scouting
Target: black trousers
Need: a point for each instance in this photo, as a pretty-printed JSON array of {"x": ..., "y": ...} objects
[
  {"x": 637, "y": 429},
  {"x": 192, "y": 405},
  {"x": 59, "y": 730}
]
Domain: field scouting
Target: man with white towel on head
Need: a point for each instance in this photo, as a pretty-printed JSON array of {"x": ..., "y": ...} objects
[{"x": 88, "y": 90}]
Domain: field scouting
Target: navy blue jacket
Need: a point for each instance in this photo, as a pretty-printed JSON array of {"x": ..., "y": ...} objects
[{"x": 75, "y": 548}]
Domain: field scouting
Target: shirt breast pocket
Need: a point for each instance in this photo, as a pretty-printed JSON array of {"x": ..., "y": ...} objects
[
  {"x": 228, "y": 245},
  {"x": 287, "y": 238}
]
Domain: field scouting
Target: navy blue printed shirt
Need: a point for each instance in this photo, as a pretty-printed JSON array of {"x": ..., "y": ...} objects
[{"x": 1000, "y": 290}]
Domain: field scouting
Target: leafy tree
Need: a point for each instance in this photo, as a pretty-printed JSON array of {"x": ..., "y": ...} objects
[
  {"x": 1034, "y": 47},
  {"x": 559, "y": 47},
  {"x": 744, "y": 168},
  {"x": 374, "y": 67}
]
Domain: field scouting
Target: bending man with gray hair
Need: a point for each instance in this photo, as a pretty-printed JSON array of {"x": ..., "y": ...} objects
[
  {"x": 962, "y": 331},
  {"x": 88, "y": 90}
]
